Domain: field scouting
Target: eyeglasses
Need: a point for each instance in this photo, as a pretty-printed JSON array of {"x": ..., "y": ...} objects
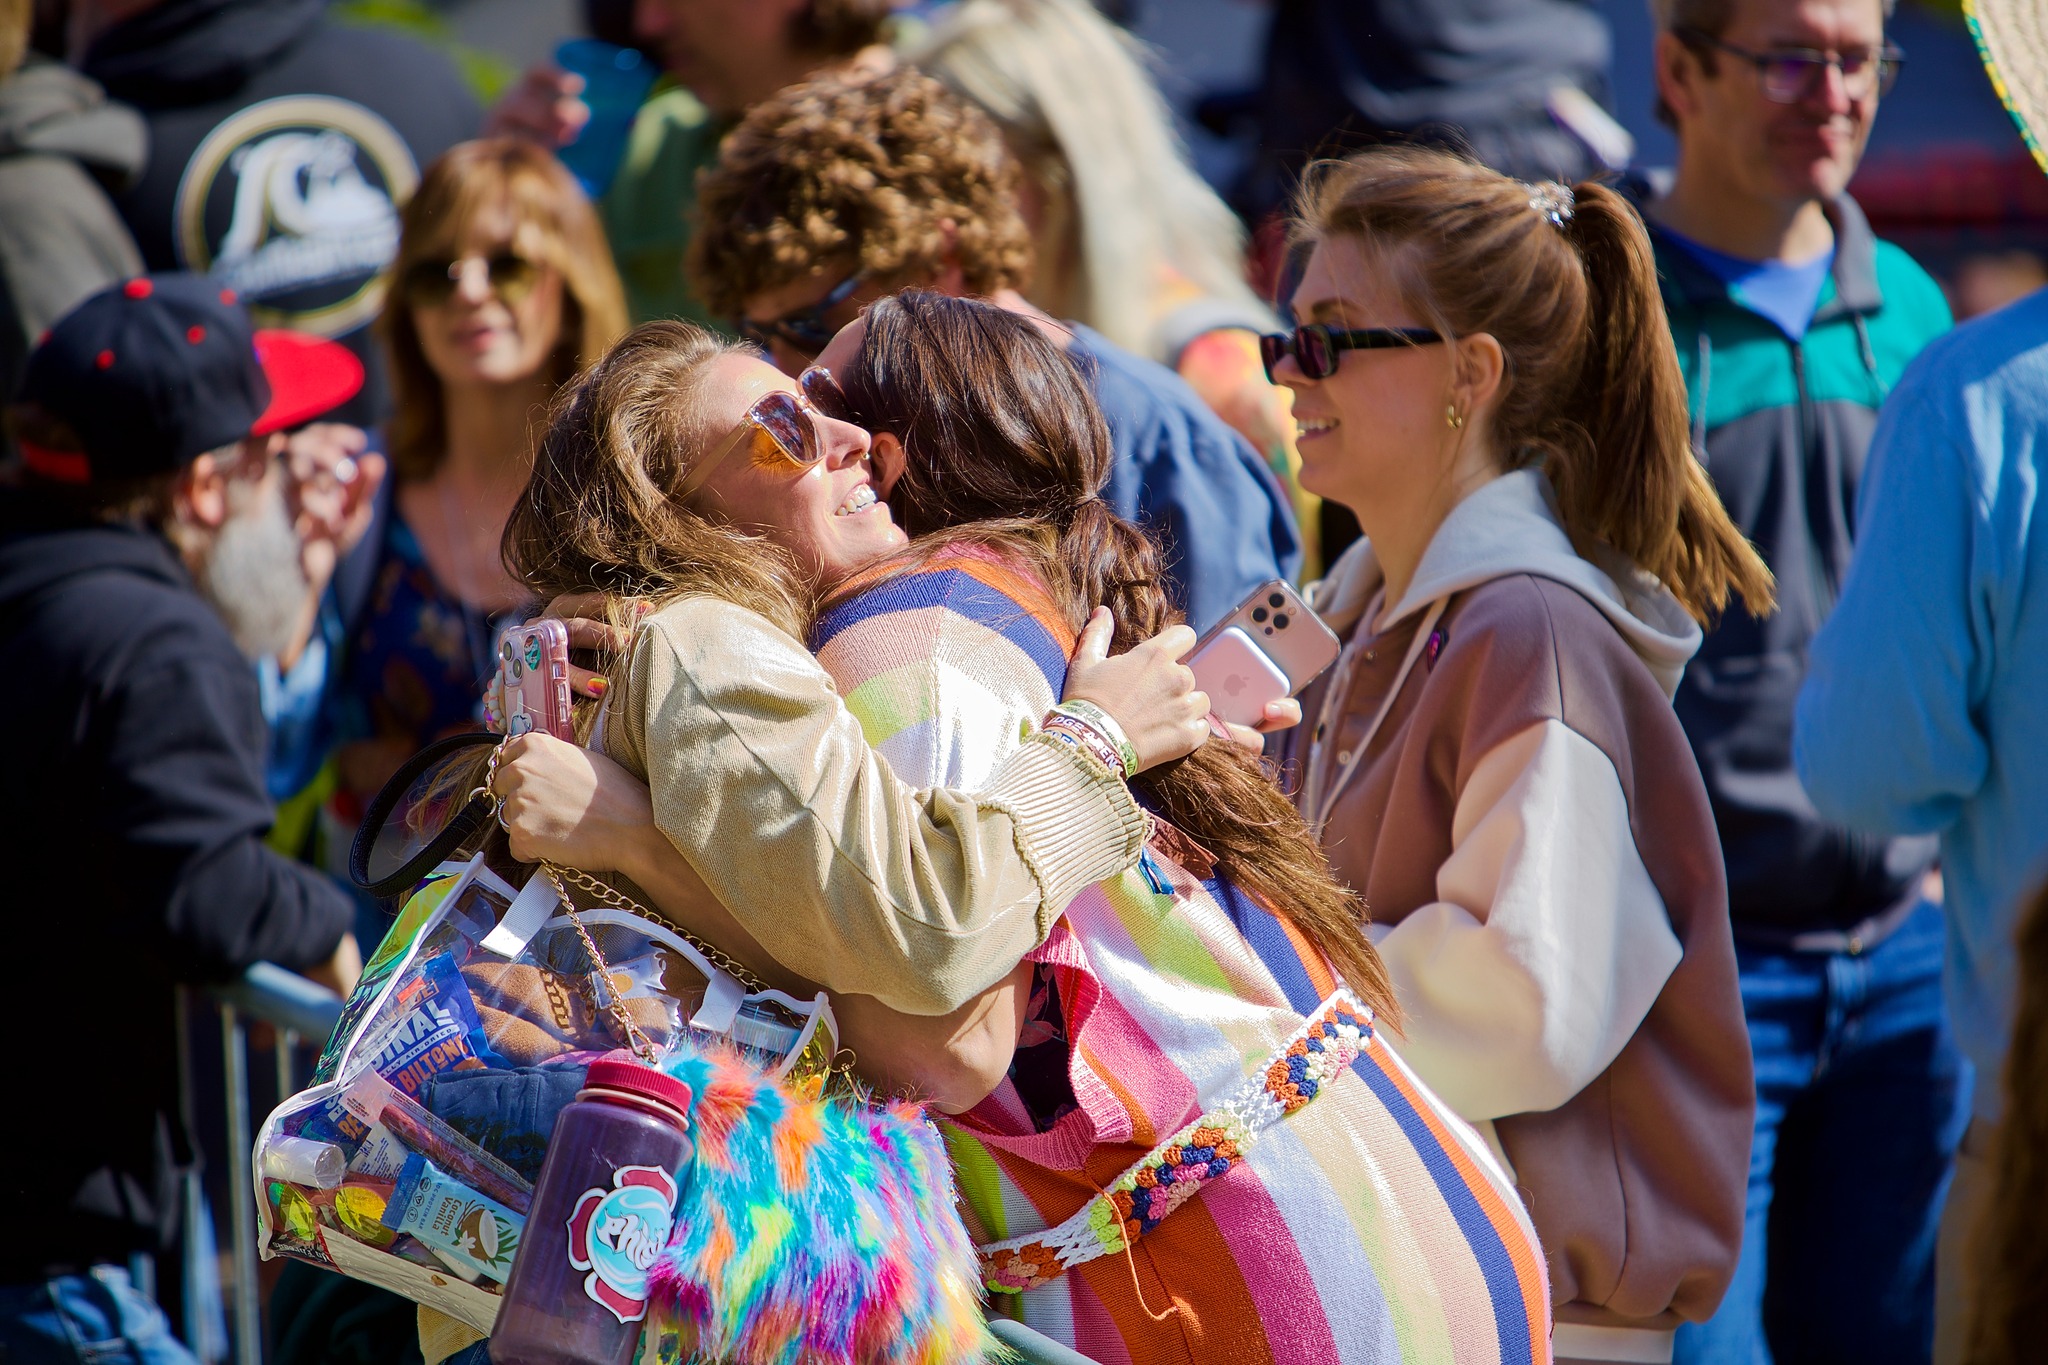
[
  {"x": 787, "y": 419},
  {"x": 804, "y": 330},
  {"x": 1788, "y": 75},
  {"x": 1316, "y": 348},
  {"x": 429, "y": 284}
]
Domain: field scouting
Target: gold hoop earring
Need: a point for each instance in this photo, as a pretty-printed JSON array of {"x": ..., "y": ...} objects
[{"x": 1452, "y": 417}]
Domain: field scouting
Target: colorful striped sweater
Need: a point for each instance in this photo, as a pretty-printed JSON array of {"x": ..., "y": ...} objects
[{"x": 1371, "y": 1225}]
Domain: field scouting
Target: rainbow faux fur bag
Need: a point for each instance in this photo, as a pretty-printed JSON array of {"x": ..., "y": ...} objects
[{"x": 812, "y": 1229}]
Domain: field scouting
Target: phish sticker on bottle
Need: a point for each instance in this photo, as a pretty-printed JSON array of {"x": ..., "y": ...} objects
[{"x": 615, "y": 1234}]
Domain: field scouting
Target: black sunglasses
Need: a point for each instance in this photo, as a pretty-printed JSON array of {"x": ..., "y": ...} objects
[
  {"x": 1316, "y": 348},
  {"x": 429, "y": 284},
  {"x": 806, "y": 329}
]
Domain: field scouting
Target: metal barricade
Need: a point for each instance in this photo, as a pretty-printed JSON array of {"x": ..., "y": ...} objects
[{"x": 296, "y": 1010}]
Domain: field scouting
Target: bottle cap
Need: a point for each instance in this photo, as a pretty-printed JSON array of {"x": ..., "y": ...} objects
[{"x": 621, "y": 1070}]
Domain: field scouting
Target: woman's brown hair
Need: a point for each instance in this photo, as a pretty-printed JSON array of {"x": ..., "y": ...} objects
[
  {"x": 1007, "y": 446},
  {"x": 2009, "y": 1309},
  {"x": 1566, "y": 283},
  {"x": 602, "y": 512},
  {"x": 522, "y": 185}
]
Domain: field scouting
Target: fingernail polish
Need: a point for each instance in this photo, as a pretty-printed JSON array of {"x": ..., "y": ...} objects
[{"x": 598, "y": 687}]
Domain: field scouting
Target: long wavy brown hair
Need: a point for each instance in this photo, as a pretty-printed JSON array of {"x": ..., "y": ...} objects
[
  {"x": 2009, "y": 1312},
  {"x": 1005, "y": 445}
]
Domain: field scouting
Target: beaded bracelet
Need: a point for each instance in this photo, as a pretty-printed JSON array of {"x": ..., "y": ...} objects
[
  {"x": 1088, "y": 713},
  {"x": 1086, "y": 738}
]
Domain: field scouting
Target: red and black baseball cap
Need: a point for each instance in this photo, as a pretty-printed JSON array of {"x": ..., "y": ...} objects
[{"x": 154, "y": 372}]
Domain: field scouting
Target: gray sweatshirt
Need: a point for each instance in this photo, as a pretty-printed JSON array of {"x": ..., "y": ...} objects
[{"x": 63, "y": 147}]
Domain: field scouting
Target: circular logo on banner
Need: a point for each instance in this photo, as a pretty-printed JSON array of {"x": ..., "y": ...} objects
[{"x": 293, "y": 204}]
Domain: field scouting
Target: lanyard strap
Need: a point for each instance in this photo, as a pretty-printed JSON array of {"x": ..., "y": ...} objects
[
  {"x": 1207, "y": 1149},
  {"x": 1321, "y": 790}
]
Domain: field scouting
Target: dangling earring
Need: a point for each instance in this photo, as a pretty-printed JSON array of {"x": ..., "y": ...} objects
[{"x": 1452, "y": 417}]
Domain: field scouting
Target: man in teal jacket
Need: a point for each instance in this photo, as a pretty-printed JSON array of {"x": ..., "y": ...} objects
[{"x": 1792, "y": 321}]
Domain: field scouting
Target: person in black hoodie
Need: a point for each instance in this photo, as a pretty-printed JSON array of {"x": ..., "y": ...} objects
[
  {"x": 150, "y": 550},
  {"x": 282, "y": 145},
  {"x": 1512, "y": 80}
]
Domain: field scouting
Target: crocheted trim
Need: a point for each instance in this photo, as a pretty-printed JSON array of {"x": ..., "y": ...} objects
[{"x": 1207, "y": 1149}]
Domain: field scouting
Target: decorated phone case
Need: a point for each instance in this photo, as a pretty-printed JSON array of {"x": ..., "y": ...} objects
[{"x": 533, "y": 678}]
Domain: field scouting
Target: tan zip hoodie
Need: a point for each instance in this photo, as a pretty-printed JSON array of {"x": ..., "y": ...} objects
[
  {"x": 764, "y": 781},
  {"x": 1494, "y": 764}
]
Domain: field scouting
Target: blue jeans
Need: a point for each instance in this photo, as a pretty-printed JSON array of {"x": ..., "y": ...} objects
[
  {"x": 1862, "y": 1097},
  {"x": 98, "y": 1318}
]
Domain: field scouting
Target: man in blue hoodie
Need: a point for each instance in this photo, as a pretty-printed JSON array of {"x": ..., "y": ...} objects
[
  {"x": 1923, "y": 712},
  {"x": 1791, "y": 321}
]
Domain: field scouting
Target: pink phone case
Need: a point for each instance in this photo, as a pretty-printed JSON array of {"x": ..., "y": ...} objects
[
  {"x": 533, "y": 673},
  {"x": 1238, "y": 677}
]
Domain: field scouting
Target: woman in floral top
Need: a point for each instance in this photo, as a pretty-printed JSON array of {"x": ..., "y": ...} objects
[{"x": 502, "y": 290}]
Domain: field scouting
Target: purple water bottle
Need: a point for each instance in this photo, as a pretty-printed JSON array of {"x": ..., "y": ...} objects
[{"x": 602, "y": 1211}]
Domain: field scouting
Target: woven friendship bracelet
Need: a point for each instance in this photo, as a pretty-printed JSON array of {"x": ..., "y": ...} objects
[
  {"x": 1096, "y": 760},
  {"x": 1176, "y": 1170},
  {"x": 1088, "y": 713},
  {"x": 1089, "y": 738}
]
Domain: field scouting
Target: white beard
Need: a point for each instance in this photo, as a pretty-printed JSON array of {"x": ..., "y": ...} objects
[{"x": 252, "y": 575}]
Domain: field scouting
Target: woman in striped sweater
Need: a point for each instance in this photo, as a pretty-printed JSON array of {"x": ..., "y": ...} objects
[{"x": 1178, "y": 1131}]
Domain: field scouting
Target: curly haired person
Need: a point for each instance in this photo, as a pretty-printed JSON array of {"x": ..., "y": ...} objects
[{"x": 853, "y": 185}]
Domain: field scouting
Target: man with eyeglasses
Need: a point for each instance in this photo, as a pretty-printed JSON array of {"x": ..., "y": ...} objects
[{"x": 1792, "y": 322}]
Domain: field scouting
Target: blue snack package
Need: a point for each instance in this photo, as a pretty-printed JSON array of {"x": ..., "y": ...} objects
[
  {"x": 433, "y": 1028},
  {"x": 471, "y": 1231}
]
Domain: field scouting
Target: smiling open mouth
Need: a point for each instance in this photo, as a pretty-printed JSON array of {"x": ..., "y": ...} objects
[{"x": 859, "y": 500}]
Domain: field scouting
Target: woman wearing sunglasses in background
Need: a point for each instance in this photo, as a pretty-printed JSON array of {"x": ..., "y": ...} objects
[
  {"x": 502, "y": 290},
  {"x": 1483, "y": 375}
]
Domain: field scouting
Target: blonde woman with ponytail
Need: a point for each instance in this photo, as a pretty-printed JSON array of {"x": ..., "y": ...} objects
[{"x": 1483, "y": 375}]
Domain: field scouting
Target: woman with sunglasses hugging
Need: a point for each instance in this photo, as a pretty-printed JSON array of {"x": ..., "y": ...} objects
[
  {"x": 1483, "y": 374},
  {"x": 502, "y": 290},
  {"x": 1200, "y": 1035}
]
